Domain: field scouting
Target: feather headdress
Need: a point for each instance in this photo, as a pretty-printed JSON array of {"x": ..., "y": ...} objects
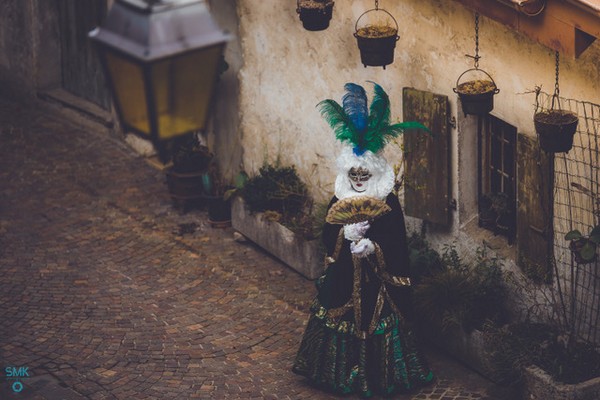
[{"x": 361, "y": 126}]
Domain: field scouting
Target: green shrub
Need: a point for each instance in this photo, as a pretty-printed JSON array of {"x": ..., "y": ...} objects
[
  {"x": 278, "y": 189},
  {"x": 462, "y": 295},
  {"x": 516, "y": 346},
  {"x": 424, "y": 261},
  {"x": 281, "y": 195}
]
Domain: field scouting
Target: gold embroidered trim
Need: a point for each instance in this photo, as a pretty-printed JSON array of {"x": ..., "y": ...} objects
[
  {"x": 356, "y": 295},
  {"x": 337, "y": 313},
  {"x": 379, "y": 268},
  {"x": 336, "y": 251},
  {"x": 378, "y": 310},
  {"x": 351, "y": 327}
]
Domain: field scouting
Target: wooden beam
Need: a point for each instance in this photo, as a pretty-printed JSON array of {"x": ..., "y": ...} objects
[{"x": 567, "y": 27}]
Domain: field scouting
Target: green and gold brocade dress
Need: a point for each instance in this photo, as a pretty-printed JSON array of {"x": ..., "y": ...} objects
[{"x": 358, "y": 337}]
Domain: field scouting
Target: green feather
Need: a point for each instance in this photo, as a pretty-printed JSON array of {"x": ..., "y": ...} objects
[
  {"x": 409, "y": 125},
  {"x": 379, "y": 131},
  {"x": 338, "y": 120},
  {"x": 379, "y": 110}
]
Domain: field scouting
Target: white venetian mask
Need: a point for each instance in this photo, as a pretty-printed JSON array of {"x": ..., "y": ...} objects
[{"x": 359, "y": 178}]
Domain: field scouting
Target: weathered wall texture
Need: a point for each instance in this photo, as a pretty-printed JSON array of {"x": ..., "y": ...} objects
[
  {"x": 29, "y": 49},
  {"x": 223, "y": 131},
  {"x": 288, "y": 70},
  {"x": 16, "y": 43}
]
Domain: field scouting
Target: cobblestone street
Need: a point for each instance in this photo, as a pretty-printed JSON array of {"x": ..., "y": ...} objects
[{"x": 107, "y": 292}]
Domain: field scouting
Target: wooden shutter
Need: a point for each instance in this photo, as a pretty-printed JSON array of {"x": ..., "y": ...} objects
[
  {"x": 427, "y": 157},
  {"x": 534, "y": 211}
]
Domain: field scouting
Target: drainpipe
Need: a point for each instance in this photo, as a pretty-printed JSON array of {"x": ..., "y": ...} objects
[{"x": 530, "y": 8}]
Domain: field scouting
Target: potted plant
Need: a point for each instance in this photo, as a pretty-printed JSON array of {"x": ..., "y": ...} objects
[
  {"x": 555, "y": 129},
  {"x": 487, "y": 214},
  {"x": 190, "y": 161},
  {"x": 315, "y": 14},
  {"x": 495, "y": 212},
  {"x": 455, "y": 302},
  {"x": 215, "y": 189},
  {"x": 273, "y": 210},
  {"x": 376, "y": 40},
  {"x": 476, "y": 95},
  {"x": 501, "y": 204},
  {"x": 537, "y": 357},
  {"x": 583, "y": 247}
]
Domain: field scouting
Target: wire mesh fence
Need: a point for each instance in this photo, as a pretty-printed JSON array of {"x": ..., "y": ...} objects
[{"x": 576, "y": 206}]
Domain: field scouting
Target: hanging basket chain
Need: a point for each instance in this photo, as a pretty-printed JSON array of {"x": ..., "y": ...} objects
[
  {"x": 377, "y": 4},
  {"x": 556, "y": 87},
  {"x": 476, "y": 57}
]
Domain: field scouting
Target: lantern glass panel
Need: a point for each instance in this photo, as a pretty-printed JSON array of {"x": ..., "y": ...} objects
[
  {"x": 128, "y": 85},
  {"x": 183, "y": 88}
]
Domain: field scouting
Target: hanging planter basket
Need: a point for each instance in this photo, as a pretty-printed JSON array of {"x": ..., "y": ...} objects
[
  {"x": 376, "y": 41},
  {"x": 555, "y": 129},
  {"x": 315, "y": 14},
  {"x": 476, "y": 95}
]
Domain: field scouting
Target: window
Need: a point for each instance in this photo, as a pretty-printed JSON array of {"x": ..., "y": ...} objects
[{"x": 497, "y": 180}]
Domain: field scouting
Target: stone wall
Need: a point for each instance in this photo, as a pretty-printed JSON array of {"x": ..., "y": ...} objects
[{"x": 288, "y": 70}]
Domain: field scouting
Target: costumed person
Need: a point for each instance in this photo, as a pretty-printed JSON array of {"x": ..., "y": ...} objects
[{"x": 358, "y": 338}]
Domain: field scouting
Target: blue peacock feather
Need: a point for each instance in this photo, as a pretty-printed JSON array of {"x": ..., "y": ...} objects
[{"x": 364, "y": 128}]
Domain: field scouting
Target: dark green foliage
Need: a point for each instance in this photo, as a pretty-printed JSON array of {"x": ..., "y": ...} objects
[
  {"x": 461, "y": 295},
  {"x": 309, "y": 224},
  {"x": 280, "y": 193},
  {"x": 424, "y": 261},
  {"x": 189, "y": 155},
  {"x": 584, "y": 247},
  {"x": 276, "y": 188},
  {"x": 538, "y": 273},
  {"x": 514, "y": 347}
]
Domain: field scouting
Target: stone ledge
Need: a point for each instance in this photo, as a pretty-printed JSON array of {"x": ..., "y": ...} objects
[
  {"x": 468, "y": 348},
  {"x": 540, "y": 386},
  {"x": 302, "y": 255}
]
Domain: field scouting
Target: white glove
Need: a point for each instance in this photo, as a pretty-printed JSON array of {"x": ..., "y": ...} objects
[
  {"x": 356, "y": 231},
  {"x": 362, "y": 248}
]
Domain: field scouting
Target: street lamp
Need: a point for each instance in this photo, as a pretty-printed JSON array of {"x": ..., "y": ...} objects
[{"x": 161, "y": 58}]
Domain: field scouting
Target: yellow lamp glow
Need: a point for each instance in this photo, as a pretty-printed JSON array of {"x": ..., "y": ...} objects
[{"x": 162, "y": 59}]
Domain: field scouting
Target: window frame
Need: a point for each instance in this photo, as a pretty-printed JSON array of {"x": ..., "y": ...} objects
[{"x": 497, "y": 173}]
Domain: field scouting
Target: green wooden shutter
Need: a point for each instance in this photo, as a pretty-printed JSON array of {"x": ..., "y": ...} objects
[
  {"x": 534, "y": 197},
  {"x": 427, "y": 157}
]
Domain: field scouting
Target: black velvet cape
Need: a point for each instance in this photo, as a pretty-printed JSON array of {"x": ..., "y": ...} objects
[{"x": 336, "y": 285}]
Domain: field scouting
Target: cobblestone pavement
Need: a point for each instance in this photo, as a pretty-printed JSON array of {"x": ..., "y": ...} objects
[{"x": 107, "y": 292}]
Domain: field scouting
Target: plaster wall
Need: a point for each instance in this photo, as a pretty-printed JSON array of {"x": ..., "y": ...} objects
[
  {"x": 288, "y": 70},
  {"x": 222, "y": 132}
]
